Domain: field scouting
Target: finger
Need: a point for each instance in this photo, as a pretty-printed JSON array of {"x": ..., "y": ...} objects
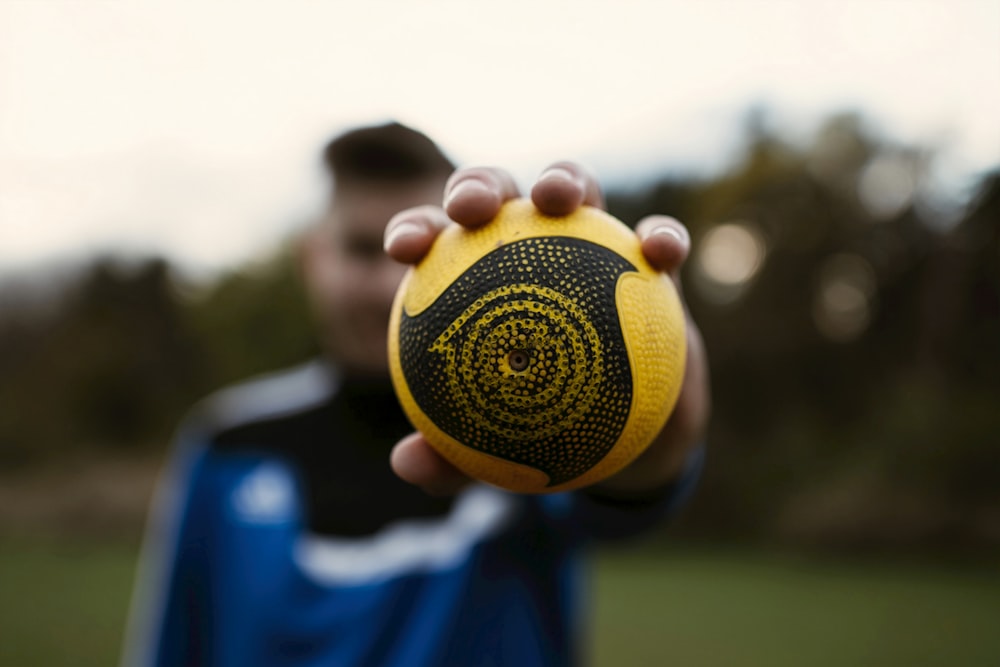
[
  {"x": 410, "y": 233},
  {"x": 416, "y": 462},
  {"x": 665, "y": 243},
  {"x": 689, "y": 420},
  {"x": 565, "y": 186},
  {"x": 473, "y": 196}
]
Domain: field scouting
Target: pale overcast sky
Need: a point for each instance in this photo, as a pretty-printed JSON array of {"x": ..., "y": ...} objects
[{"x": 192, "y": 128}]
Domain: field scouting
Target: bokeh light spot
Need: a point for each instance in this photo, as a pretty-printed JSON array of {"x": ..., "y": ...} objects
[
  {"x": 844, "y": 301},
  {"x": 728, "y": 258},
  {"x": 887, "y": 186}
]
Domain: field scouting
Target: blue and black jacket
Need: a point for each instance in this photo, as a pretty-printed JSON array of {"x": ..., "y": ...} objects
[{"x": 281, "y": 537}]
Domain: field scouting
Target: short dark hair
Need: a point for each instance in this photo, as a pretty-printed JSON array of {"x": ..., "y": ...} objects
[{"x": 388, "y": 153}]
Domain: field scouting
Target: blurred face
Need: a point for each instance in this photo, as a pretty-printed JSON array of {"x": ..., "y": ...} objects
[{"x": 351, "y": 282}]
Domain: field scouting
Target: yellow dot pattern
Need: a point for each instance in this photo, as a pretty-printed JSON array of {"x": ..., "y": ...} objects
[
  {"x": 536, "y": 353},
  {"x": 552, "y": 301}
]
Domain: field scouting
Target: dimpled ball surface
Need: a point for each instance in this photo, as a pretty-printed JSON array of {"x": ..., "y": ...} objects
[{"x": 537, "y": 353}]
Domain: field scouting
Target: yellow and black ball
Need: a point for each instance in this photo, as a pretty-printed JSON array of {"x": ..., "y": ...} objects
[{"x": 537, "y": 353}]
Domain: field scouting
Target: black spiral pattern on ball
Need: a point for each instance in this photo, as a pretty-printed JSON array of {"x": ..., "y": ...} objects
[{"x": 522, "y": 357}]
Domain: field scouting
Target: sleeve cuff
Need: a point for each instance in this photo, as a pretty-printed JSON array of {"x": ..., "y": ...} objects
[
  {"x": 633, "y": 515},
  {"x": 674, "y": 494}
]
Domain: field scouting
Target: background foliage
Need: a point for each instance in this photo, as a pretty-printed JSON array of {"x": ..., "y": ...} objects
[{"x": 855, "y": 362}]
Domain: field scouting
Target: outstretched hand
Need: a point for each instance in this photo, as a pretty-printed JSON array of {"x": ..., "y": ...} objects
[{"x": 472, "y": 198}]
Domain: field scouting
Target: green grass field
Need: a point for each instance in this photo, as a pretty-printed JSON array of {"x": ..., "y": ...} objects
[
  {"x": 64, "y": 605},
  {"x": 737, "y": 608}
]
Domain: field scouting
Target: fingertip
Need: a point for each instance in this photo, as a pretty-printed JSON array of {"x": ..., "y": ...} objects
[
  {"x": 410, "y": 233},
  {"x": 415, "y": 461},
  {"x": 472, "y": 203},
  {"x": 402, "y": 240},
  {"x": 557, "y": 192},
  {"x": 665, "y": 242},
  {"x": 474, "y": 195},
  {"x": 403, "y": 461},
  {"x": 565, "y": 186}
]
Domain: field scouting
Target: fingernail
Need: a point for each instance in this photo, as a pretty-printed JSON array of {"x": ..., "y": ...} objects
[
  {"x": 401, "y": 229},
  {"x": 466, "y": 188},
  {"x": 669, "y": 231},
  {"x": 557, "y": 174}
]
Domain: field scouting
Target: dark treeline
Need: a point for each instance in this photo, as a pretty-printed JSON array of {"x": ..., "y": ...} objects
[{"x": 853, "y": 326}]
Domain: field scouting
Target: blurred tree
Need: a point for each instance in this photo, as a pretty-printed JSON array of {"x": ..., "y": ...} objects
[
  {"x": 854, "y": 343},
  {"x": 110, "y": 364},
  {"x": 253, "y": 320},
  {"x": 115, "y": 357}
]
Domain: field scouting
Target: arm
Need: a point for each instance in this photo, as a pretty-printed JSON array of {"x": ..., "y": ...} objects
[
  {"x": 170, "y": 604},
  {"x": 472, "y": 198}
]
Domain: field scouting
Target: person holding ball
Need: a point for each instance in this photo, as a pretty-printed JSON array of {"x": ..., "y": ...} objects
[{"x": 302, "y": 522}]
